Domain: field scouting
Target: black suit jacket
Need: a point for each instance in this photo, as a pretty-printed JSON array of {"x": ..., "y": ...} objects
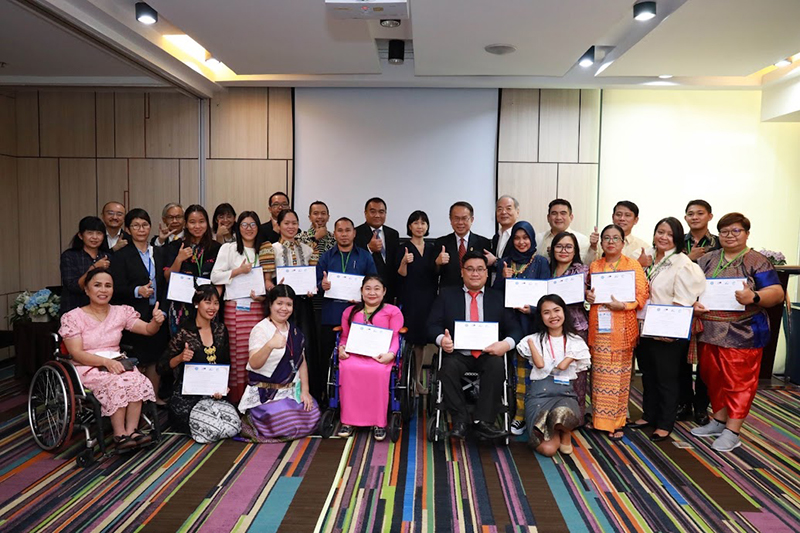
[
  {"x": 450, "y": 274},
  {"x": 386, "y": 269},
  {"x": 129, "y": 272},
  {"x": 451, "y": 305},
  {"x": 506, "y": 250},
  {"x": 122, "y": 235}
]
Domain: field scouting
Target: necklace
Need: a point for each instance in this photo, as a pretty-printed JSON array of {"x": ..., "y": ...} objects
[
  {"x": 94, "y": 315},
  {"x": 517, "y": 270},
  {"x": 211, "y": 353}
]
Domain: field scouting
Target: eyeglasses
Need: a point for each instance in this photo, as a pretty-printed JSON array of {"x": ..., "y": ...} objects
[
  {"x": 473, "y": 270},
  {"x": 563, "y": 247},
  {"x": 615, "y": 239},
  {"x": 137, "y": 227},
  {"x": 248, "y": 225},
  {"x": 282, "y": 205},
  {"x": 735, "y": 232}
]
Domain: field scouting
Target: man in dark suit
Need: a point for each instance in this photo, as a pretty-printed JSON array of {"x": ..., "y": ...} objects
[
  {"x": 473, "y": 302},
  {"x": 113, "y": 216},
  {"x": 453, "y": 247},
  {"x": 382, "y": 241},
  {"x": 269, "y": 230}
]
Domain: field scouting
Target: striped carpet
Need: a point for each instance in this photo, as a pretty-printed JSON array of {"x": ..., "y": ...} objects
[{"x": 358, "y": 485}]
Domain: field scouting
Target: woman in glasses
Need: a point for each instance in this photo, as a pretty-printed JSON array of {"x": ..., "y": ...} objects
[
  {"x": 613, "y": 333},
  {"x": 731, "y": 342}
]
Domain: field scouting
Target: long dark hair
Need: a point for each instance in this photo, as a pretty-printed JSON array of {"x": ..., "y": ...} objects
[
  {"x": 360, "y": 305},
  {"x": 558, "y": 238},
  {"x": 567, "y": 327},
  {"x": 259, "y": 236},
  {"x": 207, "y": 238},
  {"x": 89, "y": 223},
  {"x": 222, "y": 209},
  {"x": 677, "y": 232}
]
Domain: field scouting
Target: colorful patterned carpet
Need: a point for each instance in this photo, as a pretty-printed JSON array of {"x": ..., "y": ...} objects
[{"x": 358, "y": 485}]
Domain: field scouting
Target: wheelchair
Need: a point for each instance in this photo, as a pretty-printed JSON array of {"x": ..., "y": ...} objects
[
  {"x": 58, "y": 403},
  {"x": 402, "y": 397},
  {"x": 470, "y": 386}
]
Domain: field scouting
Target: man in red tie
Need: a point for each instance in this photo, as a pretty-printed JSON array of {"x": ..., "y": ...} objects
[
  {"x": 453, "y": 247},
  {"x": 473, "y": 302}
]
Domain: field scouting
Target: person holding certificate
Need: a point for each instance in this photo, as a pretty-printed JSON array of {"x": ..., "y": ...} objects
[
  {"x": 459, "y": 307},
  {"x": 194, "y": 255},
  {"x": 277, "y": 402},
  {"x": 364, "y": 380},
  {"x": 237, "y": 259},
  {"x": 417, "y": 287},
  {"x": 557, "y": 354},
  {"x": 613, "y": 333},
  {"x": 731, "y": 342},
  {"x": 201, "y": 340},
  {"x": 673, "y": 280}
]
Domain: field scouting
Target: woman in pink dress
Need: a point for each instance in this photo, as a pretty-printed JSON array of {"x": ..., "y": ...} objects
[
  {"x": 91, "y": 334},
  {"x": 364, "y": 381}
]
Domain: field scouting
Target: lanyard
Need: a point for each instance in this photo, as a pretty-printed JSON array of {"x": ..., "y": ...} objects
[
  {"x": 721, "y": 266},
  {"x": 198, "y": 263},
  {"x": 653, "y": 269},
  {"x": 552, "y": 351},
  {"x": 251, "y": 261},
  {"x": 615, "y": 265},
  {"x": 344, "y": 260},
  {"x": 146, "y": 255}
]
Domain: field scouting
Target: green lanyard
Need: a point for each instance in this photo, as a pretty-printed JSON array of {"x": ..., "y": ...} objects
[
  {"x": 251, "y": 261},
  {"x": 344, "y": 261},
  {"x": 616, "y": 265},
  {"x": 652, "y": 269},
  {"x": 721, "y": 266}
]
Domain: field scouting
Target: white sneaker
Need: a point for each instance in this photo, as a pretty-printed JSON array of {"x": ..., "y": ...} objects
[
  {"x": 518, "y": 427},
  {"x": 713, "y": 429},
  {"x": 378, "y": 433},
  {"x": 727, "y": 442},
  {"x": 345, "y": 431}
]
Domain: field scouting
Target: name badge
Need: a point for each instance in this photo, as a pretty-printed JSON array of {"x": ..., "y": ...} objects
[
  {"x": 604, "y": 321},
  {"x": 243, "y": 304},
  {"x": 559, "y": 380}
]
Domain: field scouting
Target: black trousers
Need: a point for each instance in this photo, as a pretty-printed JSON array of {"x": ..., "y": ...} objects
[
  {"x": 660, "y": 363},
  {"x": 318, "y": 372},
  {"x": 490, "y": 368},
  {"x": 696, "y": 396}
]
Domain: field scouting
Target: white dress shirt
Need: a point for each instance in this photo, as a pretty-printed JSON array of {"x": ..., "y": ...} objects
[{"x": 502, "y": 241}]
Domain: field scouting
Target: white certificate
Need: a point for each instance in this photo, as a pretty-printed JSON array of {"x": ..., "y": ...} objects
[
  {"x": 368, "y": 340},
  {"x": 720, "y": 294},
  {"x": 475, "y": 335},
  {"x": 181, "y": 287},
  {"x": 571, "y": 288},
  {"x": 303, "y": 279},
  {"x": 202, "y": 379},
  {"x": 621, "y": 284},
  {"x": 241, "y": 285},
  {"x": 522, "y": 292},
  {"x": 672, "y": 321},
  {"x": 345, "y": 287}
]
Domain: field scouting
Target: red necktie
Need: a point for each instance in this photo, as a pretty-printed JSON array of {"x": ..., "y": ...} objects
[
  {"x": 474, "y": 316},
  {"x": 461, "y": 250}
]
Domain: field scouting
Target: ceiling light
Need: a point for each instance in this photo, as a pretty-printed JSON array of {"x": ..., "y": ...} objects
[
  {"x": 390, "y": 23},
  {"x": 500, "y": 49},
  {"x": 665, "y": 76},
  {"x": 602, "y": 67},
  {"x": 660, "y": 83},
  {"x": 211, "y": 61},
  {"x": 644, "y": 11},
  {"x": 397, "y": 51},
  {"x": 146, "y": 14},
  {"x": 587, "y": 59},
  {"x": 784, "y": 62}
]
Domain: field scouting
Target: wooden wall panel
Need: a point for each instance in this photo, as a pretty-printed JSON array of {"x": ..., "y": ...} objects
[
  {"x": 578, "y": 184},
  {"x": 40, "y": 241},
  {"x": 104, "y": 116},
  {"x": 78, "y": 194},
  {"x": 67, "y": 123},
  {"x": 129, "y": 124},
  {"x": 290, "y": 177},
  {"x": 171, "y": 126},
  {"x": 533, "y": 185},
  {"x": 519, "y": 125},
  {"x": 154, "y": 183},
  {"x": 8, "y": 126},
  {"x": 9, "y": 237},
  {"x": 190, "y": 183},
  {"x": 245, "y": 184},
  {"x": 559, "y": 119},
  {"x": 27, "y": 111},
  {"x": 281, "y": 142},
  {"x": 589, "y": 147},
  {"x": 238, "y": 124},
  {"x": 112, "y": 182}
]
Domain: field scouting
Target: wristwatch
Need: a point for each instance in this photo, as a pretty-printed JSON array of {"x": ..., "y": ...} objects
[{"x": 756, "y": 297}]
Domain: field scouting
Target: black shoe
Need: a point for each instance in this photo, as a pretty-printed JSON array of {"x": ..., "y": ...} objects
[
  {"x": 655, "y": 437},
  {"x": 684, "y": 412},
  {"x": 459, "y": 430},
  {"x": 701, "y": 418},
  {"x": 488, "y": 431}
]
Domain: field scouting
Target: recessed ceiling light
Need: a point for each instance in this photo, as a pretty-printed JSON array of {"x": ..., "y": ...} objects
[
  {"x": 783, "y": 63},
  {"x": 665, "y": 76},
  {"x": 660, "y": 83},
  {"x": 644, "y": 11},
  {"x": 390, "y": 23},
  {"x": 146, "y": 14},
  {"x": 587, "y": 59},
  {"x": 500, "y": 49}
]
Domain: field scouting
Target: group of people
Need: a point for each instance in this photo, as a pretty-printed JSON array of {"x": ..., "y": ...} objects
[{"x": 279, "y": 345}]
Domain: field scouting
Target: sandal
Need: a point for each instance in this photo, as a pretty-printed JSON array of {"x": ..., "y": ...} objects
[
  {"x": 124, "y": 443},
  {"x": 378, "y": 433},
  {"x": 616, "y": 436},
  {"x": 140, "y": 438}
]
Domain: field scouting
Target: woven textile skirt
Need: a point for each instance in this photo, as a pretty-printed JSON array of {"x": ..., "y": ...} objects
[
  {"x": 239, "y": 323},
  {"x": 611, "y": 384}
]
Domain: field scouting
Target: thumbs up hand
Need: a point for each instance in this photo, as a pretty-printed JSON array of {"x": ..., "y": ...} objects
[
  {"x": 644, "y": 259},
  {"x": 158, "y": 314},
  {"x": 490, "y": 257},
  {"x": 615, "y": 305},
  {"x": 187, "y": 354},
  {"x": 407, "y": 257},
  {"x": 594, "y": 238},
  {"x": 745, "y": 295},
  {"x": 184, "y": 253},
  {"x": 507, "y": 272},
  {"x": 326, "y": 285},
  {"x": 146, "y": 291},
  {"x": 443, "y": 258},
  {"x": 447, "y": 342}
]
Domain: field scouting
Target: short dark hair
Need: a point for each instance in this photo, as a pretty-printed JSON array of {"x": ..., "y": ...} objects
[
  {"x": 375, "y": 200},
  {"x": 136, "y": 212},
  {"x": 677, "y": 231},
  {"x": 285, "y": 212},
  {"x": 318, "y": 202},
  {"x": 462, "y": 204},
  {"x": 702, "y": 203},
  {"x": 279, "y": 291},
  {"x": 90, "y": 223},
  {"x": 222, "y": 209},
  {"x": 734, "y": 218},
  {"x": 559, "y": 201},
  {"x": 278, "y": 193},
  {"x": 558, "y": 238},
  {"x": 630, "y": 205},
  {"x": 207, "y": 238},
  {"x": 418, "y": 215},
  {"x": 94, "y": 272},
  {"x": 474, "y": 254},
  {"x": 204, "y": 292},
  {"x": 259, "y": 236},
  {"x": 343, "y": 219}
]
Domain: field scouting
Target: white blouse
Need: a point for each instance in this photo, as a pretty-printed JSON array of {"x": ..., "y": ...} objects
[
  {"x": 228, "y": 258},
  {"x": 676, "y": 280},
  {"x": 575, "y": 348},
  {"x": 259, "y": 336}
]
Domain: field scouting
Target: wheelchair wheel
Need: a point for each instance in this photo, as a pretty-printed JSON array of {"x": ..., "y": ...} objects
[
  {"x": 51, "y": 406},
  {"x": 327, "y": 423},
  {"x": 407, "y": 386},
  {"x": 437, "y": 432},
  {"x": 395, "y": 425},
  {"x": 85, "y": 458},
  {"x": 433, "y": 390}
]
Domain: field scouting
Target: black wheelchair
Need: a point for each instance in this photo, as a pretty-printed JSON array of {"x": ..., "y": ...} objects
[
  {"x": 402, "y": 397},
  {"x": 58, "y": 403}
]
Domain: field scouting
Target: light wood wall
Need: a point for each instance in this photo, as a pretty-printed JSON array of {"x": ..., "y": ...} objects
[{"x": 549, "y": 147}]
